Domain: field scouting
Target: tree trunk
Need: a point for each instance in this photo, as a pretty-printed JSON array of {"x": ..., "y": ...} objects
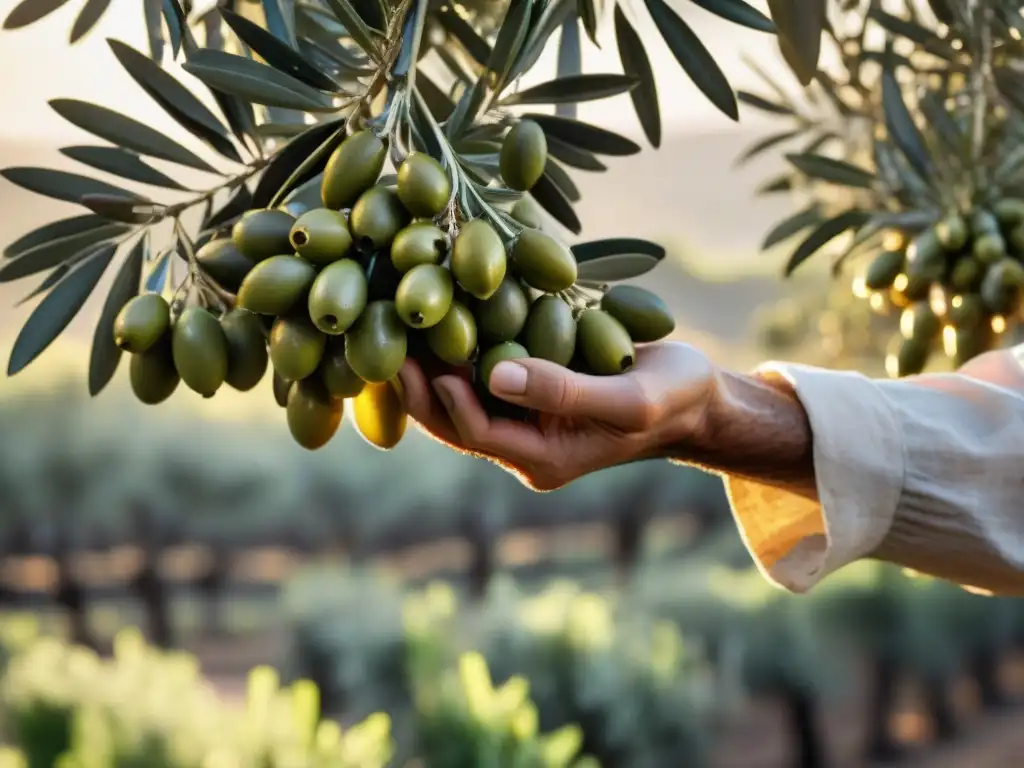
[
  {"x": 985, "y": 671},
  {"x": 211, "y": 586},
  {"x": 802, "y": 710},
  {"x": 70, "y": 595},
  {"x": 940, "y": 708},
  {"x": 884, "y": 681},
  {"x": 483, "y": 560},
  {"x": 149, "y": 587},
  {"x": 153, "y": 595}
]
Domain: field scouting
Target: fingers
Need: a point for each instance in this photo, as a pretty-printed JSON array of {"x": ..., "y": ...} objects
[
  {"x": 512, "y": 441},
  {"x": 553, "y": 389},
  {"x": 424, "y": 408}
]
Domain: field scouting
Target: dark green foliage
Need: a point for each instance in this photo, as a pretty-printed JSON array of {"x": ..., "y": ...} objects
[{"x": 331, "y": 61}]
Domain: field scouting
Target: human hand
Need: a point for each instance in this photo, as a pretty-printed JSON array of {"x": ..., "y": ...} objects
[{"x": 585, "y": 423}]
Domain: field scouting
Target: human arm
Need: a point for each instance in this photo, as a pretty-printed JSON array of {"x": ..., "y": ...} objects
[
  {"x": 926, "y": 472},
  {"x": 822, "y": 467}
]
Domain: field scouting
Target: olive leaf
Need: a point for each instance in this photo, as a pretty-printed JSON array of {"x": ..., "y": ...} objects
[
  {"x": 277, "y": 53},
  {"x": 55, "y": 252},
  {"x": 635, "y": 63},
  {"x": 799, "y": 24},
  {"x": 574, "y": 156},
  {"x": 280, "y": 19},
  {"x": 48, "y": 282},
  {"x": 738, "y": 12},
  {"x": 313, "y": 165},
  {"x": 916, "y": 33},
  {"x": 578, "y": 88},
  {"x": 616, "y": 246},
  {"x": 372, "y": 12},
  {"x": 437, "y": 101},
  {"x": 906, "y": 221},
  {"x": 59, "y": 308},
  {"x": 763, "y": 104},
  {"x": 238, "y": 203},
  {"x": 588, "y": 14},
  {"x": 818, "y": 142},
  {"x": 511, "y": 36},
  {"x": 158, "y": 274},
  {"x": 356, "y": 27},
  {"x": 562, "y": 180},
  {"x": 831, "y": 170},
  {"x": 543, "y": 26},
  {"x": 693, "y": 57},
  {"x": 617, "y": 266},
  {"x": 175, "y": 99},
  {"x": 943, "y": 125},
  {"x": 87, "y": 18},
  {"x": 584, "y": 135},
  {"x": 554, "y": 201},
  {"x": 105, "y": 354},
  {"x": 901, "y": 126},
  {"x": 30, "y": 11},
  {"x": 776, "y": 184},
  {"x": 123, "y": 209},
  {"x": 570, "y": 60},
  {"x": 60, "y": 185},
  {"x": 120, "y": 162},
  {"x": 791, "y": 225},
  {"x": 465, "y": 109},
  {"x": 126, "y": 132},
  {"x": 824, "y": 233},
  {"x": 768, "y": 142},
  {"x": 153, "y": 15},
  {"x": 478, "y": 48},
  {"x": 255, "y": 82},
  {"x": 178, "y": 29},
  {"x": 288, "y": 160},
  {"x": 55, "y": 230}
]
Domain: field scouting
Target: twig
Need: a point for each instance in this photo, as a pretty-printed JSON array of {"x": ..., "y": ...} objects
[{"x": 979, "y": 14}]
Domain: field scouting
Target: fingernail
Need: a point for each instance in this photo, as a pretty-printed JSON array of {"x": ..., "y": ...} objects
[
  {"x": 443, "y": 395},
  {"x": 508, "y": 379}
]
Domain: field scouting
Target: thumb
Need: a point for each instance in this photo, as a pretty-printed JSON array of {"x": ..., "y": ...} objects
[{"x": 550, "y": 388}]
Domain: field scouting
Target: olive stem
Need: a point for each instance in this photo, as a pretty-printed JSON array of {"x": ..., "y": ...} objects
[
  {"x": 251, "y": 170},
  {"x": 196, "y": 273},
  {"x": 383, "y": 74}
]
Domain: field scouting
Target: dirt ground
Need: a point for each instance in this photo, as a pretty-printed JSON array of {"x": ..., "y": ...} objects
[{"x": 757, "y": 736}]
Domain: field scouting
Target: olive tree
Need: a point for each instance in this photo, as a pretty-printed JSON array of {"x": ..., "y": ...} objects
[{"x": 272, "y": 89}]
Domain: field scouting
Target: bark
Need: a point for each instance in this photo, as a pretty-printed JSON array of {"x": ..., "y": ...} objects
[
  {"x": 940, "y": 708},
  {"x": 149, "y": 587},
  {"x": 483, "y": 560},
  {"x": 884, "y": 682},
  {"x": 211, "y": 586},
  {"x": 985, "y": 671},
  {"x": 629, "y": 525},
  {"x": 807, "y": 738},
  {"x": 70, "y": 594}
]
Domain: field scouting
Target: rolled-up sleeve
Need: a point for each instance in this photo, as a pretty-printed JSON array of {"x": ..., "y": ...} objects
[{"x": 927, "y": 473}]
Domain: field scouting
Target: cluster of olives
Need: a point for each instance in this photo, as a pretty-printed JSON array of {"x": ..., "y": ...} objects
[
  {"x": 959, "y": 282},
  {"x": 336, "y": 298}
]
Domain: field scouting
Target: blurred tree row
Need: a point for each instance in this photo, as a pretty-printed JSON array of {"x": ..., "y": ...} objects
[{"x": 77, "y": 476}]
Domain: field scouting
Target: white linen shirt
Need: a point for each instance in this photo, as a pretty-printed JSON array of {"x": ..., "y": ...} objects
[{"x": 926, "y": 473}]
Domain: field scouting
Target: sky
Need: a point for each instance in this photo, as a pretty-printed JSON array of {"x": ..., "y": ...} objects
[{"x": 38, "y": 65}]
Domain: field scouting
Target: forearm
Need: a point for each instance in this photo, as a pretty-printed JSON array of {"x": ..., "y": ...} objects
[
  {"x": 756, "y": 429},
  {"x": 825, "y": 467}
]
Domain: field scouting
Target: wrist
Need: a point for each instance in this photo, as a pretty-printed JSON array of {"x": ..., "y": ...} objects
[{"x": 755, "y": 427}]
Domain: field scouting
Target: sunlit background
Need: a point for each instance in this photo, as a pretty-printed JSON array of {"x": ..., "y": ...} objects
[{"x": 627, "y": 599}]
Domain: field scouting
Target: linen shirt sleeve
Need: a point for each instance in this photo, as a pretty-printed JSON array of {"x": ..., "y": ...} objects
[{"x": 927, "y": 473}]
